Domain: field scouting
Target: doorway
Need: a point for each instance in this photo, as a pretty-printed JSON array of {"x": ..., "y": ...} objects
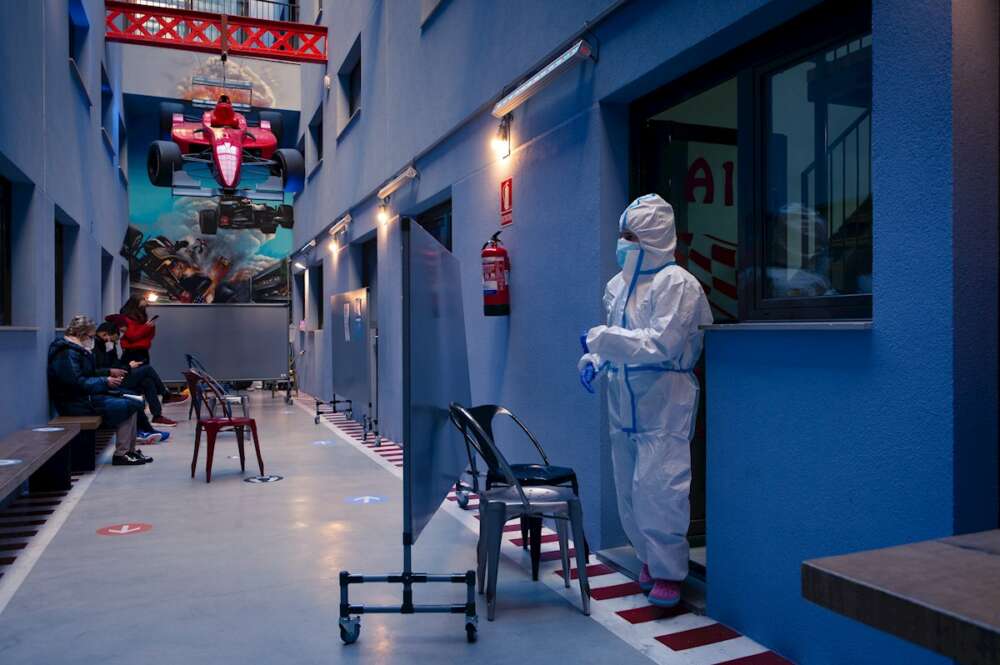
[
  {"x": 369, "y": 280},
  {"x": 689, "y": 157}
]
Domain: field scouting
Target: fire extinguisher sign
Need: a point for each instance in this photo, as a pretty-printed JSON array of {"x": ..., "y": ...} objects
[{"x": 507, "y": 202}]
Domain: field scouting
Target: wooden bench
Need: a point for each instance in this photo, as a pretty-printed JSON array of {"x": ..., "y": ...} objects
[
  {"x": 83, "y": 447},
  {"x": 41, "y": 458}
]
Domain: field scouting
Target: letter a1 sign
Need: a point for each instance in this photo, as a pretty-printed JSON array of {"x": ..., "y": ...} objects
[{"x": 507, "y": 202}]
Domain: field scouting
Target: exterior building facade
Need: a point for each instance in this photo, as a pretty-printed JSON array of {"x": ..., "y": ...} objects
[
  {"x": 833, "y": 170},
  {"x": 63, "y": 178}
]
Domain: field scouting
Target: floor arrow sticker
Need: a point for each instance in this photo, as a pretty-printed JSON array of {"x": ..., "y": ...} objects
[{"x": 124, "y": 529}]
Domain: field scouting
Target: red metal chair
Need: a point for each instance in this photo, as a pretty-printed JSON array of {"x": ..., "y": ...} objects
[{"x": 207, "y": 390}]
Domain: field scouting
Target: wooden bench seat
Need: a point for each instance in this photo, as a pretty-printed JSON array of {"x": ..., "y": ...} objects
[
  {"x": 43, "y": 459},
  {"x": 83, "y": 446}
]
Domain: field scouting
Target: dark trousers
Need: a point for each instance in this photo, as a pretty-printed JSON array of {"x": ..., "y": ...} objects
[
  {"x": 145, "y": 381},
  {"x": 142, "y": 355}
]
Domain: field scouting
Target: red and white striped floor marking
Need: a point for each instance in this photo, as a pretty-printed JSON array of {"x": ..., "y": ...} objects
[{"x": 667, "y": 636}]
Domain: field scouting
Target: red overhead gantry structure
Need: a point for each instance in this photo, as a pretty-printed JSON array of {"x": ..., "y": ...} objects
[{"x": 136, "y": 23}]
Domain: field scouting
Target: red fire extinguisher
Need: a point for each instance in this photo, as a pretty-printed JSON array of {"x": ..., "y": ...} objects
[{"x": 496, "y": 278}]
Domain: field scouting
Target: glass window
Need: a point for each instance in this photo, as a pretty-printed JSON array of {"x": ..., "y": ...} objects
[
  {"x": 437, "y": 222},
  {"x": 354, "y": 90},
  {"x": 817, "y": 171}
]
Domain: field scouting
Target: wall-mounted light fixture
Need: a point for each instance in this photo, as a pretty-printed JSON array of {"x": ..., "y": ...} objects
[
  {"x": 409, "y": 173},
  {"x": 152, "y": 297},
  {"x": 581, "y": 50},
  {"x": 340, "y": 224},
  {"x": 501, "y": 141},
  {"x": 383, "y": 211},
  {"x": 299, "y": 265}
]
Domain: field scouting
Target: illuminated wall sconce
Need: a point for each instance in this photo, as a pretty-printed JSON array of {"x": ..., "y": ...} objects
[
  {"x": 501, "y": 142},
  {"x": 383, "y": 212},
  {"x": 152, "y": 297},
  {"x": 299, "y": 265}
]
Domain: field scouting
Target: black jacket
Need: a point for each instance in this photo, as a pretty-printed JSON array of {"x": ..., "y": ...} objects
[
  {"x": 72, "y": 376},
  {"x": 105, "y": 360}
]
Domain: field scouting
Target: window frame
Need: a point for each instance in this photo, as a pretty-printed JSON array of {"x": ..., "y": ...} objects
[
  {"x": 59, "y": 276},
  {"x": 6, "y": 251},
  {"x": 812, "y": 31}
]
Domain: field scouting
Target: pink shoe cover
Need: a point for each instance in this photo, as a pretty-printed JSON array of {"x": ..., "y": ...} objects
[{"x": 665, "y": 593}]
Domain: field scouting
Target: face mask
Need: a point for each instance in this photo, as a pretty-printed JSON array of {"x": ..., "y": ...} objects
[
  {"x": 88, "y": 344},
  {"x": 625, "y": 248},
  {"x": 109, "y": 346}
]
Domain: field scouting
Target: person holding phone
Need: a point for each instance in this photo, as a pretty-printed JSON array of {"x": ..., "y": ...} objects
[
  {"x": 139, "y": 331},
  {"x": 139, "y": 378}
]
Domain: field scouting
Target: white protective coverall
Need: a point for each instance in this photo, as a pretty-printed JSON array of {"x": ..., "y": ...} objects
[{"x": 649, "y": 349}]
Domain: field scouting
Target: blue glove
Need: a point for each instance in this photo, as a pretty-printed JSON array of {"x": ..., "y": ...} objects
[
  {"x": 587, "y": 376},
  {"x": 583, "y": 343}
]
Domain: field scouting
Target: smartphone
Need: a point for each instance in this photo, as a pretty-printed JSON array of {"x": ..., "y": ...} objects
[{"x": 155, "y": 317}]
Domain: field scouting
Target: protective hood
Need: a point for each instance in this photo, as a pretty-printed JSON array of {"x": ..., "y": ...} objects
[{"x": 651, "y": 219}]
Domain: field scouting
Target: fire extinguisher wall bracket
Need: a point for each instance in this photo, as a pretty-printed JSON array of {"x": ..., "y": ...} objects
[{"x": 496, "y": 278}]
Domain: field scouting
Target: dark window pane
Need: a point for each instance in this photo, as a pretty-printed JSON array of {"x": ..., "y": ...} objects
[
  {"x": 818, "y": 174},
  {"x": 354, "y": 90},
  {"x": 60, "y": 251}
]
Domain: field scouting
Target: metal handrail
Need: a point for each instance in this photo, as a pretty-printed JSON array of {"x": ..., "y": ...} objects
[{"x": 270, "y": 10}]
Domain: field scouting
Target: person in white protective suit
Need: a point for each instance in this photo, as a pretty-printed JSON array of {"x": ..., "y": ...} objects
[{"x": 648, "y": 350}]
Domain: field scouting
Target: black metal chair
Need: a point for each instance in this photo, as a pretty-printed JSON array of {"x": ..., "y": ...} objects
[
  {"x": 507, "y": 498},
  {"x": 529, "y": 475}
]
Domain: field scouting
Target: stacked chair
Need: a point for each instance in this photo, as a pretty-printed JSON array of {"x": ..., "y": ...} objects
[
  {"x": 210, "y": 395},
  {"x": 530, "y": 492}
]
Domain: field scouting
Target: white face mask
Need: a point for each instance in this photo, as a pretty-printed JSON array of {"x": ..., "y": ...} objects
[
  {"x": 109, "y": 346},
  {"x": 88, "y": 344}
]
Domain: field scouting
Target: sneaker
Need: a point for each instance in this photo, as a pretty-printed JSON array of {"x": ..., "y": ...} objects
[
  {"x": 175, "y": 398},
  {"x": 665, "y": 593},
  {"x": 138, "y": 454},
  {"x": 126, "y": 460},
  {"x": 163, "y": 436},
  {"x": 163, "y": 421},
  {"x": 645, "y": 579},
  {"x": 147, "y": 438}
]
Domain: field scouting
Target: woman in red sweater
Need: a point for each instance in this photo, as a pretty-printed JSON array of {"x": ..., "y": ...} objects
[{"x": 139, "y": 330}]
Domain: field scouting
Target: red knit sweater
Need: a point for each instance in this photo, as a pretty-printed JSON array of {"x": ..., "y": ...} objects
[{"x": 137, "y": 336}]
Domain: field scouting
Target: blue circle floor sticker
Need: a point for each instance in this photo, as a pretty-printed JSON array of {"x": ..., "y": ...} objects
[{"x": 365, "y": 500}]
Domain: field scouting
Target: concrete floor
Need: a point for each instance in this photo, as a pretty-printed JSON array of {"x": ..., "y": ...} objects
[{"x": 234, "y": 572}]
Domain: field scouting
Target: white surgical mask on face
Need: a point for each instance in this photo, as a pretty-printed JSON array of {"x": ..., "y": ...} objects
[
  {"x": 109, "y": 346},
  {"x": 88, "y": 343}
]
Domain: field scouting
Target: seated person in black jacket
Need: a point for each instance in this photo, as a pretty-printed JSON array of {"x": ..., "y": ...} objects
[
  {"x": 77, "y": 390},
  {"x": 140, "y": 377}
]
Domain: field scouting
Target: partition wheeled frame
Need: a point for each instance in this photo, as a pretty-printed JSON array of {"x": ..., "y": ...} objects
[{"x": 350, "y": 626}]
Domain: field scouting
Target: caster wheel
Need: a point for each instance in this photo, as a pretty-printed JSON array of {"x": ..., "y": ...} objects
[
  {"x": 316, "y": 420},
  {"x": 288, "y": 401},
  {"x": 349, "y": 414},
  {"x": 350, "y": 630},
  {"x": 378, "y": 441},
  {"x": 471, "y": 632},
  {"x": 463, "y": 500}
]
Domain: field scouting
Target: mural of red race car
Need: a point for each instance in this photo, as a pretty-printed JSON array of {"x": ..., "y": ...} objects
[{"x": 242, "y": 159}]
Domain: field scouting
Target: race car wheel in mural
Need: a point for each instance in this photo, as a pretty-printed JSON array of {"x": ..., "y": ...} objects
[
  {"x": 242, "y": 213},
  {"x": 240, "y": 157}
]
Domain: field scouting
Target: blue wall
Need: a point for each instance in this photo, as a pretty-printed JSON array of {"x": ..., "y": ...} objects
[
  {"x": 52, "y": 148},
  {"x": 819, "y": 443}
]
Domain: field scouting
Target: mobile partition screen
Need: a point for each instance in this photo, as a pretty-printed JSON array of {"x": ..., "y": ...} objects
[
  {"x": 349, "y": 336},
  {"x": 235, "y": 342},
  {"x": 435, "y": 374}
]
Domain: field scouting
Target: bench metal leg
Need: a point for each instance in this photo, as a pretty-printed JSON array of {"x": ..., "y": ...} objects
[
  {"x": 83, "y": 451},
  {"x": 54, "y": 475}
]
